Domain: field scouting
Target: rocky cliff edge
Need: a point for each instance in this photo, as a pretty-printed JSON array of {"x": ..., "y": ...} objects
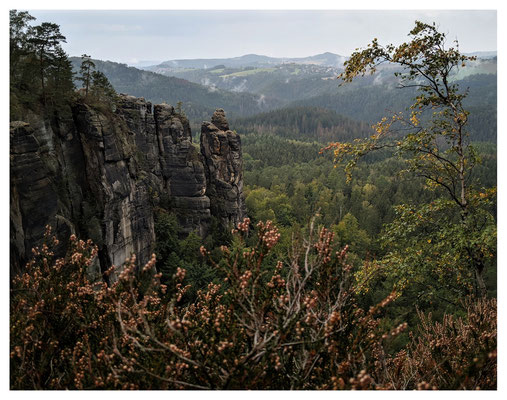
[{"x": 100, "y": 174}]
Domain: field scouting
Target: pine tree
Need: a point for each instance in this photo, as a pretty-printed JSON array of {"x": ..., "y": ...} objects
[
  {"x": 101, "y": 89},
  {"x": 60, "y": 80},
  {"x": 19, "y": 33},
  {"x": 86, "y": 70},
  {"x": 46, "y": 39}
]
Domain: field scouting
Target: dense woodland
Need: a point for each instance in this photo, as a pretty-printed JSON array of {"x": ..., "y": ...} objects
[
  {"x": 361, "y": 102},
  {"x": 368, "y": 260}
]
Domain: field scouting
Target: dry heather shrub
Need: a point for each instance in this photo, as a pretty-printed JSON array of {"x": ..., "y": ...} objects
[
  {"x": 457, "y": 353},
  {"x": 290, "y": 324},
  {"x": 286, "y": 325}
]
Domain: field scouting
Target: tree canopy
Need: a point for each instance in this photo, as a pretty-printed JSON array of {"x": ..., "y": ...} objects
[
  {"x": 432, "y": 138},
  {"x": 40, "y": 71}
]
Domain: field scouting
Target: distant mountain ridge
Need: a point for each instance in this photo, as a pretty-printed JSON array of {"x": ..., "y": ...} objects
[
  {"x": 255, "y": 60},
  {"x": 249, "y": 60},
  {"x": 483, "y": 54}
]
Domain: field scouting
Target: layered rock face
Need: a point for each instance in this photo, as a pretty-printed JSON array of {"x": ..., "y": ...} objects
[
  {"x": 100, "y": 174},
  {"x": 221, "y": 149},
  {"x": 169, "y": 162}
]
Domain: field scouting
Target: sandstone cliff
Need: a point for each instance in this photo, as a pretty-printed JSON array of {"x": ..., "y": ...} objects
[
  {"x": 221, "y": 149},
  {"x": 100, "y": 174}
]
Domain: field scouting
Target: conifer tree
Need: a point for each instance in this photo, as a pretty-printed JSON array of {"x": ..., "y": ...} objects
[
  {"x": 101, "y": 88},
  {"x": 61, "y": 77},
  {"x": 46, "y": 40},
  {"x": 19, "y": 34},
  {"x": 86, "y": 71}
]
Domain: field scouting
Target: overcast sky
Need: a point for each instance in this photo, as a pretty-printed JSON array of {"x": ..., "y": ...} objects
[{"x": 134, "y": 36}]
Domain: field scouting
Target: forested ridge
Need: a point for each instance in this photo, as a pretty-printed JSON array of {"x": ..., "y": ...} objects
[
  {"x": 370, "y": 103},
  {"x": 198, "y": 101},
  {"x": 367, "y": 260}
]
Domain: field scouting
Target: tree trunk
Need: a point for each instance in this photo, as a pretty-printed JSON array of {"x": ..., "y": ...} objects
[
  {"x": 42, "y": 78},
  {"x": 481, "y": 286}
]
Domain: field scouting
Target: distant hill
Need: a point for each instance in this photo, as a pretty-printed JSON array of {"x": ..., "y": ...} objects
[
  {"x": 259, "y": 61},
  {"x": 199, "y": 101},
  {"x": 483, "y": 54},
  {"x": 369, "y": 102},
  {"x": 290, "y": 82},
  {"x": 249, "y": 60},
  {"x": 286, "y": 82}
]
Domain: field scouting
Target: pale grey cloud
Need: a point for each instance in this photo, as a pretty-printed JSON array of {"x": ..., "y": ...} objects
[
  {"x": 130, "y": 36},
  {"x": 107, "y": 28}
]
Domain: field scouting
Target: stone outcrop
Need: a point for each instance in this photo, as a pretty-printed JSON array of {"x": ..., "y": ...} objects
[
  {"x": 100, "y": 175},
  {"x": 221, "y": 149}
]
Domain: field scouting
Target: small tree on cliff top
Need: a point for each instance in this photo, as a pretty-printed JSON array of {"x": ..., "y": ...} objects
[
  {"x": 455, "y": 236},
  {"x": 86, "y": 71},
  {"x": 101, "y": 88}
]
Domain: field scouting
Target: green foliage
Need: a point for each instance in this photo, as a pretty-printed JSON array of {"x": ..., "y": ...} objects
[
  {"x": 259, "y": 151},
  {"x": 303, "y": 123},
  {"x": 60, "y": 79},
  {"x": 265, "y": 204},
  {"x": 86, "y": 69},
  {"x": 436, "y": 149},
  {"x": 41, "y": 76},
  {"x": 177, "y": 251},
  {"x": 174, "y": 252},
  {"x": 217, "y": 235},
  {"x": 19, "y": 33},
  {"x": 430, "y": 248},
  {"x": 45, "y": 40},
  {"x": 97, "y": 88},
  {"x": 349, "y": 233},
  {"x": 101, "y": 89},
  {"x": 294, "y": 192},
  {"x": 179, "y": 109}
]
